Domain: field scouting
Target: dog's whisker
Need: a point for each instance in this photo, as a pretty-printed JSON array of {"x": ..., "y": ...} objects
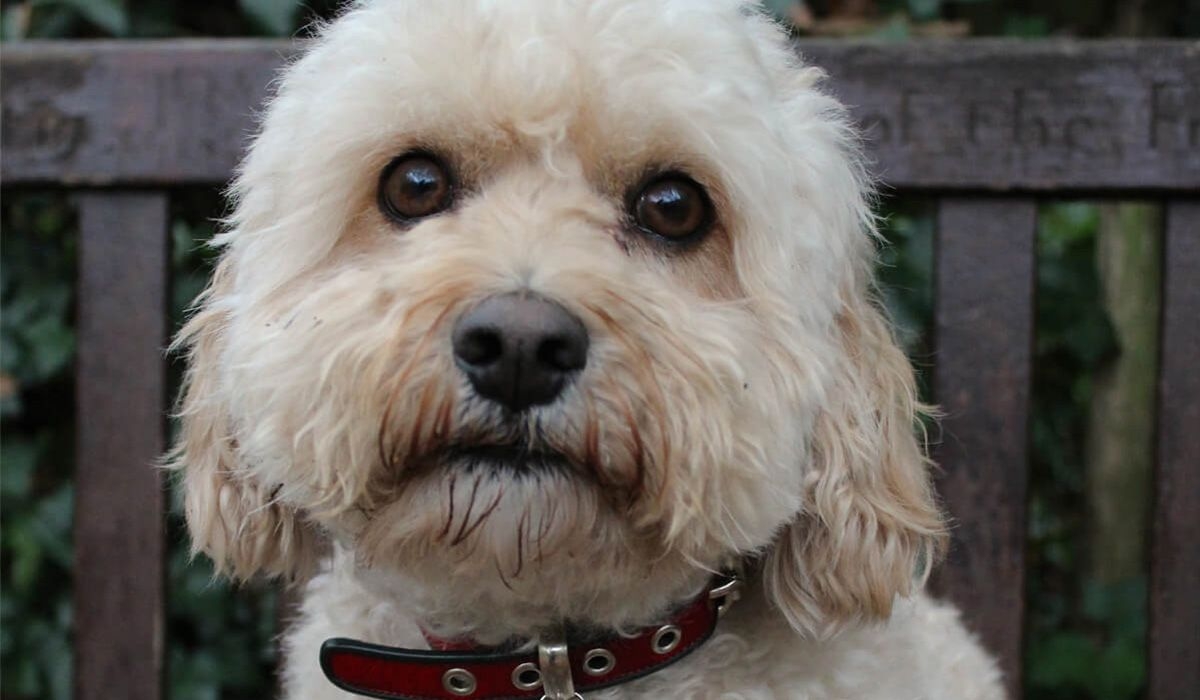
[
  {"x": 487, "y": 512},
  {"x": 449, "y": 508},
  {"x": 500, "y": 573},
  {"x": 458, "y": 538}
]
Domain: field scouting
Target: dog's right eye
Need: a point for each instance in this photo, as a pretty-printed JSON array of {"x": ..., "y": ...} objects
[
  {"x": 414, "y": 186},
  {"x": 673, "y": 207}
]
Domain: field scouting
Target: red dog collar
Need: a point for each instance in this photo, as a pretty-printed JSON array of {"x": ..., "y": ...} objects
[{"x": 554, "y": 671}]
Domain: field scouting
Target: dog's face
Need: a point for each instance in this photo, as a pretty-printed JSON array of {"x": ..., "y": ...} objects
[{"x": 564, "y": 302}]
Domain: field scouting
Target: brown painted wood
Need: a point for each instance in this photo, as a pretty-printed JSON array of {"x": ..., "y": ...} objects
[
  {"x": 119, "y": 539},
  {"x": 984, "y": 338},
  {"x": 983, "y": 114},
  {"x": 1175, "y": 565},
  {"x": 102, "y": 113}
]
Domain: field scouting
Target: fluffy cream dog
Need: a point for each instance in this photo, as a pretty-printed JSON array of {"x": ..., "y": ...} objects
[{"x": 542, "y": 311}]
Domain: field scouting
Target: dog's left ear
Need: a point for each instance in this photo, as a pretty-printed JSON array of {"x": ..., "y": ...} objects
[{"x": 870, "y": 528}]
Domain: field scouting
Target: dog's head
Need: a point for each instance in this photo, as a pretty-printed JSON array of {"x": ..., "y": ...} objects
[{"x": 564, "y": 302}]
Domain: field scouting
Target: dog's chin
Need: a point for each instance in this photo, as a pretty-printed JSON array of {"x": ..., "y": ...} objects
[
  {"x": 519, "y": 549},
  {"x": 523, "y": 526},
  {"x": 514, "y": 525},
  {"x": 496, "y": 509}
]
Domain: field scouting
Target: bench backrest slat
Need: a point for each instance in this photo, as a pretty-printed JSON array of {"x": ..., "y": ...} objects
[
  {"x": 951, "y": 116},
  {"x": 119, "y": 542},
  {"x": 983, "y": 335},
  {"x": 1175, "y": 558}
]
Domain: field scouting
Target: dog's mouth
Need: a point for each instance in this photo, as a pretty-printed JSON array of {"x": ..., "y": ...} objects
[{"x": 516, "y": 458}]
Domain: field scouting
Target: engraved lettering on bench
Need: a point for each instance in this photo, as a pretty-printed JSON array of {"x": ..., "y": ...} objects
[
  {"x": 1172, "y": 127},
  {"x": 42, "y": 131},
  {"x": 1021, "y": 119}
]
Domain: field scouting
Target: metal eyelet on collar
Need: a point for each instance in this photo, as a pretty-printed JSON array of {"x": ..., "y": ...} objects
[
  {"x": 527, "y": 676},
  {"x": 666, "y": 639},
  {"x": 459, "y": 681},
  {"x": 599, "y": 662}
]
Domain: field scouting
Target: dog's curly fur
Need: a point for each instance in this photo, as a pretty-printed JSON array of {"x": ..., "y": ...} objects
[{"x": 744, "y": 402}]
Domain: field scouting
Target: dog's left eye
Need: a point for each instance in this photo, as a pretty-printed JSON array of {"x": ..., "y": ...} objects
[
  {"x": 413, "y": 186},
  {"x": 673, "y": 206}
]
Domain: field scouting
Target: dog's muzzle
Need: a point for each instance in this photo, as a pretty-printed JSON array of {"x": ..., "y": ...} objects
[{"x": 556, "y": 671}]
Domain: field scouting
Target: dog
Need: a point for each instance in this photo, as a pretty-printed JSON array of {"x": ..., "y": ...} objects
[{"x": 544, "y": 330}]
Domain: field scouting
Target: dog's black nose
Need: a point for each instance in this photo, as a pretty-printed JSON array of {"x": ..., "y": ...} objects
[{"x": 519, "y": 349}]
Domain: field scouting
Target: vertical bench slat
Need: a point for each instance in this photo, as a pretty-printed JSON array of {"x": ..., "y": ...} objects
[
  {"x": 984, "y": 337},
  {"x": 1175, "y": 566},
  {"x": 119, "y": 539}
]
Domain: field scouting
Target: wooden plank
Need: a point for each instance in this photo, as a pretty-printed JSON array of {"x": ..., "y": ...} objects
[
  {"x": 984, "y": 114},
  {"x": 1175, "y": 562},
  {"x": 1001, "y": 115},
  {"x": 119, "y": 536},
  {"x": 159, "y": 113},
  {"x": 984, "y": 337}
]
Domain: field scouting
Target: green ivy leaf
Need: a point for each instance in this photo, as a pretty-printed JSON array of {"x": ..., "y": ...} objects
[
  {"x": 26, "y": 556},
  {"x": 276, "y": 16},
  {"x": 1062, "y": 659},
  {"x": 895, "y": 29},
  {"x": 1026, "y": 26},
  {"x": 53, "y": 343},
  {"x": 925, "y": 9},
  {"x": 18, "y": 457},
  {"x": 109, "y": 15},
  {"x": 51, "y": 525}
]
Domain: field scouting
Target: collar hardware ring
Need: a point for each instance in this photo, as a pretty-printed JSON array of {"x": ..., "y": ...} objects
[
  {"x": 666, "y": 639},
  {"x": 599, "y": 662},
  {"x": 459, "y": 681},
  {"x": 725, "y": 595},
  {"x": 555, "y": 665},
  {"x": 527, "y": 677}
]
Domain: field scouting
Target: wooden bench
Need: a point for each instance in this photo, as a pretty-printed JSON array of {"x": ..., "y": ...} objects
[{"x": 986, "y": 127}]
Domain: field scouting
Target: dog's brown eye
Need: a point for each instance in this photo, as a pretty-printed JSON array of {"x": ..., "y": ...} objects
[
  {"x": 414, "y": 186},
  {"x": 674, "y": 207}
]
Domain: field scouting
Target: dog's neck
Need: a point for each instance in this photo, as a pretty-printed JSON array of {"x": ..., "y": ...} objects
[{"x": 492, "y": 613}]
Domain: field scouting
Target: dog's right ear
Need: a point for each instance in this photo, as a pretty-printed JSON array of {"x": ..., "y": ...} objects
[
  {"x": 232, "y": 517},
  {"x": 871, "y": 528}
]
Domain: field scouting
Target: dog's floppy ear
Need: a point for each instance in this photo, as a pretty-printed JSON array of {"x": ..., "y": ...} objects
[
  {"x": 231, "y": 517},
  {"x": 870, "y": 528}
]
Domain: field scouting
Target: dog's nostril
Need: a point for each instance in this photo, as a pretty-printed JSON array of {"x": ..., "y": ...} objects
[
  {"x": 519, "y": 350},
  {"x": 562, "y": 353},
  {"x": 479, "y": 346}
]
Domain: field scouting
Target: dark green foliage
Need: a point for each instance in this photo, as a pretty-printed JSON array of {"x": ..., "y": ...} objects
[
  {"x": 220, "y": 639},
  {"x": 1086, "y": 639},
  {"x": 219, "y": 642},
  {"x": 159, "y": 18},
  {"x": 905, "y": 273},
  {"x": 36, "y": 349}
]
